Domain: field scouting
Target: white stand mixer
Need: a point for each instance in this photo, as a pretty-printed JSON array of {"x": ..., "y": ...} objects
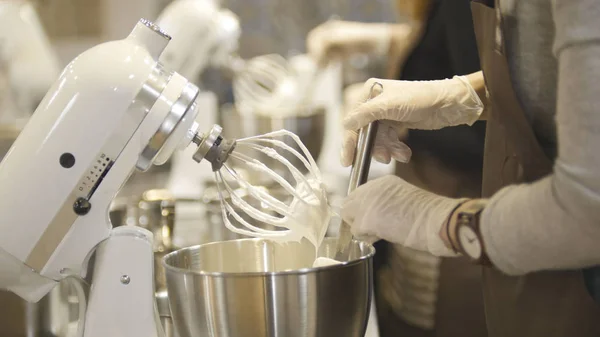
[{"x": 114, "y": 109}]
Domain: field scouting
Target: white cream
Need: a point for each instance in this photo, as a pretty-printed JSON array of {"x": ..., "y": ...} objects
[
  {"x": 306, "y": 216},
  {"x": 324, "y": 262}
]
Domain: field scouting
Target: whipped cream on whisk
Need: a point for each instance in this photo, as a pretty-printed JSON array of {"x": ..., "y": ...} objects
[{"x": 306, "y": 214}]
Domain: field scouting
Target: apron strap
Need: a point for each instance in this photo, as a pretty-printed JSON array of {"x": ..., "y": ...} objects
[{"x": 517, "y": 129}]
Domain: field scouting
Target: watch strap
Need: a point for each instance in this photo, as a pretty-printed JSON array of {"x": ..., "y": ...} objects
[
  {"x": 469, "y": 214},
  {"x": 453, "y": 246}
]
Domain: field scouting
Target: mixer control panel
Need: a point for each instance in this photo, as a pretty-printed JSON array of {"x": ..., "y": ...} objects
[{"x": 94, "y": 175}]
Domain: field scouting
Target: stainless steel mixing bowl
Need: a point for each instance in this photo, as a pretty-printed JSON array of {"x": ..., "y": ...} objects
[{"x": 258, "y": 288}]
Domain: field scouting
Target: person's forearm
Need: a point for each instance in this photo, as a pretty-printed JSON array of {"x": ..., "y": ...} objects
[
  {"x": 404, "y": 38},
  {"x": 406, "y": 34},
  {"x": 416, "y": 10},
  {"x": 478, "y": 83}
]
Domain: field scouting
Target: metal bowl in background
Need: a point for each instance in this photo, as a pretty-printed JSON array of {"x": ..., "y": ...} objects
[
  {"x": 177, "y": 222},
  {"x": 308, "y": 123},
  {"x": 154, "y": 210},
  {"x": 124, "y": 211},
  {"x": 260, "y": 288}
]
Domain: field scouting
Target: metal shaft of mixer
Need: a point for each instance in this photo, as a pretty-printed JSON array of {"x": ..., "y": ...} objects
[{"x": 213, "y": 147}]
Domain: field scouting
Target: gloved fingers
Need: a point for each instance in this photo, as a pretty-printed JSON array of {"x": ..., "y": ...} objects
[
  {"x": 364, "y": 113},
  {"x": 371, "y": 106},
  {"x": 394, "y": 210},
  {"x": 352, "y": 207},
  {"x": 348, "y": 147},
  {"x": 400, "y": 152},
  {"x": 387, "y": 146},
  {"x": 360, "y": 229},
  {"x": 396, "y": 148},
  {"x": 358, "y": 202},
  {"x": 381, "y": 153},
  {"x": 365, "y": 92},
  {"x": 354, "y": 213},
  {"x": 362, "y": 208},
  {"x": 472, "y": 104}
]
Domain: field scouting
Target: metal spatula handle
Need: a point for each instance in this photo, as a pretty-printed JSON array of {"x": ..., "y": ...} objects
[{"x": 359, "y": 173}]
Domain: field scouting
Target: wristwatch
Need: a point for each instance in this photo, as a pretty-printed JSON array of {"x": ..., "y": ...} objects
[{"x": 467, "y": 232}]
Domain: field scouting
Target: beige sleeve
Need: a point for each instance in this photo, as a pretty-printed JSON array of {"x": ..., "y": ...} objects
[{"x": 554, "y": 223}]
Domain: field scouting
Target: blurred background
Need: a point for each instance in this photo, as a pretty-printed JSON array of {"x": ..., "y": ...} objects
[
  {"x": 417, "y": 294},
  {"x": 267, "y": 26}
]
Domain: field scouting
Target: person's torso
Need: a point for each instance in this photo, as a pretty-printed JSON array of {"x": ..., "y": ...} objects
[
  {"x": 528, "y": 28},
  {"x": 542, "y": 304}
]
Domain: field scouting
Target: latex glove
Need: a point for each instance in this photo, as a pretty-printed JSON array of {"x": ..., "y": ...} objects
[
  {"x": 342, "y": 38},
  {"x": 398, "y": 212},
  {"x": 387, "y": 144},
  {"x": 425, "y": 105}
]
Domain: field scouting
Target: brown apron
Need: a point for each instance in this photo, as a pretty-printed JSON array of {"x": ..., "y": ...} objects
[{"x": 543, "y": 304}]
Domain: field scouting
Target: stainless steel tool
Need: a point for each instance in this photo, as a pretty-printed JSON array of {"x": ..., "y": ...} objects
[{"x": 359, "y": 173}]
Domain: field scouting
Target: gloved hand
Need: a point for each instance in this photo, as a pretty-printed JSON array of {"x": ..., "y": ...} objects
[
  {"x": 427, "y": 105},
  {"x": 387, "y": 144},
  {"x": 396, "y": 211},
  {"x": 343, "y": 38}
]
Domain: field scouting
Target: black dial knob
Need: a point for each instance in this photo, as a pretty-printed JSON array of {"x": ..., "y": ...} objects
[{"x": 82, "y": 206}]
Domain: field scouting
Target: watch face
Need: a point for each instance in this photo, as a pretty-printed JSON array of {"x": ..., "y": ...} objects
[{"x": 469, "y": 242}]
